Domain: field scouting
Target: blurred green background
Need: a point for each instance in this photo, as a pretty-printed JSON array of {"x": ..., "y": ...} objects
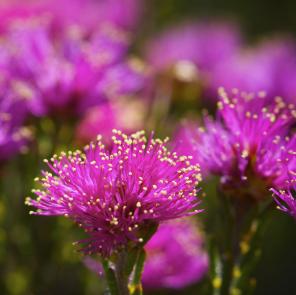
[
  {"x": 36, "y": 254},
  {"x": 255, "y": 17}
]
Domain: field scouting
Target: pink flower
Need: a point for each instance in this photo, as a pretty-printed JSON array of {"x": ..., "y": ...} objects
[
  {"x": 69, "y": 73},
  {"x": 248, "y": 145},
  {"x": 126, "y": 115},
  {"x": 202, "y": 44},
  {"x": 175, "y": 256},
  {"x": 14, "y": 136},
  {"x": 117, "y": 195},
  {"x": 267, "y": 67},
  {"x": 87, "y": 13}
]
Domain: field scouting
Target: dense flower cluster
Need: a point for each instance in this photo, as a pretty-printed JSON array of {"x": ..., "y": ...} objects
[
  {"x": 68, "y": 72},
  {"x": 248, "y": 143},
  {"x": 175, "y": 256},
  {"x": 116, "y": 195}
]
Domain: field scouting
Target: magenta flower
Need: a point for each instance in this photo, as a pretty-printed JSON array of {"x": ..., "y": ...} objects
[
  {"x": 248, "y": 144},
  {"x": 86, "y": 13},
  {"x": 285, "y": 199},
  {"x": 199, "y": 142},
  {"x": 13, "y": 135},
  {"x": 175, "y": 256},
  {"x": 126, "y": 115},
  {"x": 203, "y": 44},
  {"x": 265, "y": 67},
  {"x": 116, "y": 196},
  {"x": 69, "y": 73},
  {"x": 11, "y": 10}
]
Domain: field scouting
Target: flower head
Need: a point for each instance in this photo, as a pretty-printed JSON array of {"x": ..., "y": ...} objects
[
  {"x": 116, "y": 195},
  {"x": 248, "y": 145},
  {"x": 175, "y": 256}
]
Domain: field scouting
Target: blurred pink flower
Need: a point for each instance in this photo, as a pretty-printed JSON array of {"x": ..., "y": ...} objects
[
  {"x": 203, "y": 44},
  {"x": 67, "y": 72},
  {"x": 175, "y": 256},
  {"x": 88, "y": 13},
  {"x": 125, "y": 114},
  {"x": 269, "y": 67},
  {"x": 14, "y": 136}
]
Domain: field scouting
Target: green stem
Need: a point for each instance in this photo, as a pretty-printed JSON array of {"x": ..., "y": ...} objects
[
  {"x": 215, "y": 268},
  {"x": 124, "y": 278},
  {"x": 247, "y": 238},
  {"x": 243, "y": 283},
  {"x": 223, "y": 246},
  {"x": 136, "y": 284},
  {"x": 111, "y": 278},
  {"x": 120, "y": 273},
  {"x": 234, "y": 244}
]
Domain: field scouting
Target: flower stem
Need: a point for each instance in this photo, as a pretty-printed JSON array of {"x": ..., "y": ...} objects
[
  {"x": 234, "y": 243},
  {"x": 124, "y": 270},
  {"x": 111, "y": 278},
  {"x": 120, "y": 273},
  {"x": 136, "y": 285},
  {"x": 250, "y": 254}
]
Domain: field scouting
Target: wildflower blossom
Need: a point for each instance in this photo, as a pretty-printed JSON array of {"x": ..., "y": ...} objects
[
  {"x": 175, "y": 256},
  {"x": 117, "y": 195},
  {"x": 254, "y": 149}
]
